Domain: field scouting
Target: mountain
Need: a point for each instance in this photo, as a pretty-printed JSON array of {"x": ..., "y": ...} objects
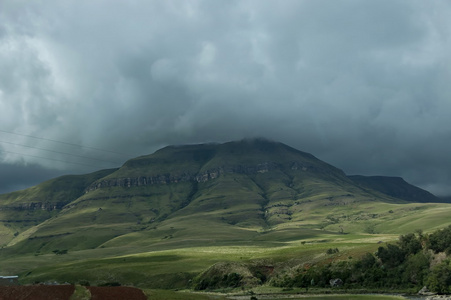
[
  {"x": 249, "y": 193},
  {"x": 395, "y": 187},
  {"x": 445, "y": 199}
]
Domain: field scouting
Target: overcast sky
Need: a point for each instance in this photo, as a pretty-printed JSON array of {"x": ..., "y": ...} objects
[{"x": 363, "y": 85}]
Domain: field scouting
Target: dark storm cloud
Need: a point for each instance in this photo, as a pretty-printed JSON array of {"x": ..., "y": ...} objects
[
  {"x": 15, "y": 177},
  {"x": 361, "y": 84}
]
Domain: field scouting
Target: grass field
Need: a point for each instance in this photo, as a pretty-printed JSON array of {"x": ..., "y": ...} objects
[
  {"x": 173, "y": 268},
  {"x": 174, "y": 253},
  {"x": 148, "y": 259},
  {"x": 172, "y": 295}
]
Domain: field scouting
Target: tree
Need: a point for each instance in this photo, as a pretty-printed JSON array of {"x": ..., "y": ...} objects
[
  {"x": 410, "y": 244},
  {"x": 440, "y": 241},
  {"x": 439, "y": 280},
  {"x": 417, "y": 268},
  {"x": 391, "y": 256},
  {"x": 368, "y": 260}
]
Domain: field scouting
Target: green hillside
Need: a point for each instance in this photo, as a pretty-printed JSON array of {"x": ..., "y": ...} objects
[
  {"x": 22, "y": 210},
  {"x": 161, "y": 219}
]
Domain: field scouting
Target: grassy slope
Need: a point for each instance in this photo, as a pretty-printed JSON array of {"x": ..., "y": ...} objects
[
  {"x": 175, "y": 251},
  {"x": 47, "y": 198},
  {"x": 163, "y": 235},
  {"x": 171, "y": 159}
]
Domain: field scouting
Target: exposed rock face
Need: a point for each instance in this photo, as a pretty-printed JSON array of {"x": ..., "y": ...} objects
[
  {"x": 35, "y": 206},
  {"x": 199, "y": 177}
]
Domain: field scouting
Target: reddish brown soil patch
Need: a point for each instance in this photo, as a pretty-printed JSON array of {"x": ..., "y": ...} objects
[
  {"x": 36, "y": 292},
  {"x": 116, "y": 293}
]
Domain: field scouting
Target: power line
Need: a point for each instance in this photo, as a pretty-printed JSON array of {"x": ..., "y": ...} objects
[
  {"x": 65, "y": 143},
  {"x": 58, "y": 160},
  {"x": 59, "y": 152}
]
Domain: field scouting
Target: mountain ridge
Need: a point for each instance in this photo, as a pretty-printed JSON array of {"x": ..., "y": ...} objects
[{"x": 395, "y": 187}]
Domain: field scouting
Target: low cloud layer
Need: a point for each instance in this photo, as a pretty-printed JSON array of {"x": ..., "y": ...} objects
[{"x": 363, "y": 85}]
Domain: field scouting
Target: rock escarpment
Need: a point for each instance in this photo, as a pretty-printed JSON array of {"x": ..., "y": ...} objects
[
  {"x": 48, "y": 206},
  {"x": 203, "y": 176}
]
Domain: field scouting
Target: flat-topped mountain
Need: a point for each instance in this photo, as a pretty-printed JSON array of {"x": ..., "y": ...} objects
[
  {"x": 200, "y": 163},
  {"x": 249, "y": 192}
]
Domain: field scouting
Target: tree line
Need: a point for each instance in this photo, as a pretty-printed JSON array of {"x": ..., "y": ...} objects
[{"x": 410, "y": 263}]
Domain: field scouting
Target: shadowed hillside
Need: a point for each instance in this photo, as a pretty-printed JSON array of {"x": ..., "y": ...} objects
[{"x": 395, "y": 187}]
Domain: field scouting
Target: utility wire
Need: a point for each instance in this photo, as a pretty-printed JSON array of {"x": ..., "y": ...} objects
[
  {"x": 59, "y": 152},
  {"x": 64, "y": 161},
  {"x": 65, "y": 143}
]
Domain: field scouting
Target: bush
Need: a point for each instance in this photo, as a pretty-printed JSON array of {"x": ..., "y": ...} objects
[
  {"x": 110, "y": 284},
  {"x": 230, "y": 280},
  {"x": 84, "y": 283},
  {"x": 332, "y": 251}
]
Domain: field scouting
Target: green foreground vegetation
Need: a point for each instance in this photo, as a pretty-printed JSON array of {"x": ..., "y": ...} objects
[
  {"x": 409, "y": 264},
  {"x": 171, "y": 255},
  {"x": 406, "y": 265}
]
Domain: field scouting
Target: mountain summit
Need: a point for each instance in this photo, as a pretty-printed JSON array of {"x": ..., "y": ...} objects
[{"x": 201, "y": 163}]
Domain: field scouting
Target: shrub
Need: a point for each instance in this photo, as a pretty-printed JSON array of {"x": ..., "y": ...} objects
[
  {"x": 230, "y": 280},
  {"x": 84, "y": 283},
  {"x": 110, "y": 284},
  {"x": 332, "y": 251}
]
